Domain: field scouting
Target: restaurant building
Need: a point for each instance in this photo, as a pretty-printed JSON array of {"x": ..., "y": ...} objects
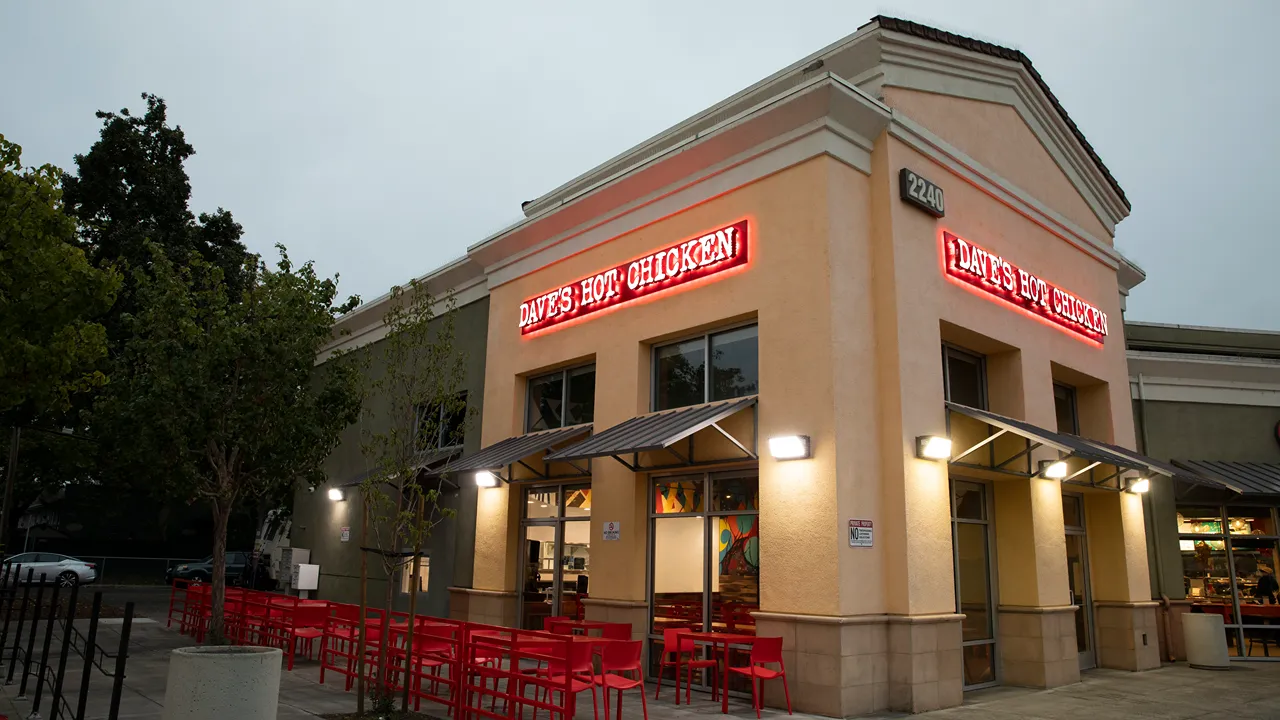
[
  {"x": 1208, "y": 401},
  {"x": 839, "y": 359}
]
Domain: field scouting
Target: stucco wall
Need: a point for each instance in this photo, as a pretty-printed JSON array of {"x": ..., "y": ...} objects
[{"x": 318, "y": 521}]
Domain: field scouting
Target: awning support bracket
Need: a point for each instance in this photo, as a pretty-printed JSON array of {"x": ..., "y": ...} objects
[
  {"x": 734, "y": 440},
  {"x": 541, "y": 475},
  {"x": 1031, "y": 446},
  {"x": 980, "y": 445}
]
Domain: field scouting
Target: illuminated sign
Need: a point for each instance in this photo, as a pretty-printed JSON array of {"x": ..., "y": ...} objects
[
  {"x": 667, "y": 268},
  {"x": 996, "y": 276}
]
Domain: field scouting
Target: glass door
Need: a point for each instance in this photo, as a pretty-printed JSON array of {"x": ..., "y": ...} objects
[
  {"x": 971, "y": 543},
  {"x": 555, "y": 562},
  {"x": 1078, "y": 578},
  {"x": 704, "y": 569}
]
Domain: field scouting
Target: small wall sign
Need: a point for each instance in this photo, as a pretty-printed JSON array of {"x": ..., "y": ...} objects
[
  {"x": 612, "y": 530},
  {"x": 861, "y": 533},
  {"x": 921, "y": 193},
  {"x": 344, "y": 534}
]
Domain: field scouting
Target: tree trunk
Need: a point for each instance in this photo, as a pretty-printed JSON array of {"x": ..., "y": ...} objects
[
  {"x": 413, "y": 606},
  {"x": 217, "y": 617},
  {"x": 364, "y": 601},
  {"x": 384, "y": 686}
]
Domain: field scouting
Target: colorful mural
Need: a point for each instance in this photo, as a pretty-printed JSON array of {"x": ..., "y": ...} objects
[
  {"x": 678, "y": 496},
  {"x": 738, "y": 544}
]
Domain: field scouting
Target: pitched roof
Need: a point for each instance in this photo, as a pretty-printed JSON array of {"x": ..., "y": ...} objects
[{"x": 907, "y": 27}]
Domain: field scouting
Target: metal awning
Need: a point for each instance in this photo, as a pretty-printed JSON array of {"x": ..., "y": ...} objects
[
  {"x": 515, "y": 450},
  {"x": 432, "y": 461},
  {"x": 659, "y": 431},
  {"x": 1246, "y": 478},
  {"x": 1160, "y": 467},
  {"x": 1092, "y": 458}
]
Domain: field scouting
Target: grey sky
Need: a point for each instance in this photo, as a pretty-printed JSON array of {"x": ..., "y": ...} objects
[{"x": 382, "y": 139}]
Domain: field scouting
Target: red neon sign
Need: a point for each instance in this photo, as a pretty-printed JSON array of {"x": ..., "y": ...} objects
[
  {"x": 669, "y": 267},
  {"x": 996, "y": 276}
]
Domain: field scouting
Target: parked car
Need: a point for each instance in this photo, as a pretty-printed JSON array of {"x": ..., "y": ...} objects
[
  {"x": 66, "y": 571},
  {"x": 203, "y": 571}
]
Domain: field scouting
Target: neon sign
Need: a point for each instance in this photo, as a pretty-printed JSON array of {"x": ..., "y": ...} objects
[
  {"x": 684, "y": 262},
  {"x": 996, "y": 276}
]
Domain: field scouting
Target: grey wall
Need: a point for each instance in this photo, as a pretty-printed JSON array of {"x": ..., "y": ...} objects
[
  {"x": 1194, "y": 431},
  {"x": 318, "y": 521}
]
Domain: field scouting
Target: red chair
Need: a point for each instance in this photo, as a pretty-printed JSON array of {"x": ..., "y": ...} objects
[
  {"x": 579, "y": 675},
  {"x": 556, "y": 625},
  {"x": 616, "y": 631},
  {"x": 765, "y": 651},
  {"x": 304, "y": 622},
  {"x": 618, "y": 658},
  {"x": 673, "y": 644}
]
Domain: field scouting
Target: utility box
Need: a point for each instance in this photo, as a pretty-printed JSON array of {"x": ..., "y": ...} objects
[
  {"x": 307, "y": 576},
  {"x": 290, "y": 559}
]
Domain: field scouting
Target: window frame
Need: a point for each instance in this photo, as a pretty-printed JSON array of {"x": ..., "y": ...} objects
[
  {"x": 564, "y": 394},
  {"x": 406, "y": 573},
  {"x": 949, "y": 351},
  {"x": 705, "y": 338},
  {"x": 441, "y": 425},
  {"x": 993, "y": 580}
]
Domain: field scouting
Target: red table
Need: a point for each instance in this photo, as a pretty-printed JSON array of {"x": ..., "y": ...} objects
[
  {"x": 583, "y": 625},
  {"x": 726, "y": 639}
]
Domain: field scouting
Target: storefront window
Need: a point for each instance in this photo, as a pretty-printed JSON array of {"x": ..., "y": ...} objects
[
  {"x": 406, "y": 574},
  {"x": 682, "y": 376},
  {"x": 1229, "y": 569},
  {"x": 705, "y": 567},
  {"x": 561, "y": 398},
  {"x": 964, "y": 377},
  {"x": 971, "y": 538}
]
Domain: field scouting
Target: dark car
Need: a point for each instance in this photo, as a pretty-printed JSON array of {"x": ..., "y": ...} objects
[{"x": 202, "y": 571}]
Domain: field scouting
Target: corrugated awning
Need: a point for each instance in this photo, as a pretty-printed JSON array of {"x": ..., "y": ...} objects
[
  {"x": 1070, "y": 444},
  {"x": 514, "y": 449},
  {"x": 433, "y": 461},
  {"x": 1161, "y": 467},
  {"x": 1246, "y": 478},
  {"x": 655, "y": 431}
]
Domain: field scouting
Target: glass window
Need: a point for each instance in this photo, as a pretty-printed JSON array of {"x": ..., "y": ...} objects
[
  {"x": 1200, "y": 520},
  {"x": 1064, "y": 406},
  {"x": 442, "y": 425},
  {"x": 735, "y": 368},
  {"x": 1204, "y": 569},
  {"x": 736, "y": 494},
  {"x": 1072, "y": 511},
  {"x": 577, "y": 502},
  {"x": 1250, "y": 521},
  {"x": 678, "y": 495},
  {"x": 969, "y": 501},
  {"x": 561, "y": 398},
  {"x": 542, "y": 503},
  {"x": 964, "y": 378},
  {"x": 972, "y": 564},
  {"x": 678, "y": 571},
  {"x": 681, "y": 374}
]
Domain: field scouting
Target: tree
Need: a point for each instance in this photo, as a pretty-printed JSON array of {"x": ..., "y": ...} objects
[
  {"x": 421, "y": 410},
  {"x": 132, "y": 189},
  {"x": 219, "y": 401},
  {"x": 50, "y": 296}
]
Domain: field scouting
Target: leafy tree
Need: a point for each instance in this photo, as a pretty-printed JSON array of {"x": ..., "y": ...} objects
[
  {"x": 132, "y": 189},
  {"x": 50, "y": 295},
  {"x": 219, "y": 401},
  {"x": 421, "y": 410}
]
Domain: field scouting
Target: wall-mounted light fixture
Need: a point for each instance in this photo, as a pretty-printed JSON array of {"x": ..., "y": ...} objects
[
  {"x": 1140, "y": 485},
  {"x": 336, "y": 494},
  {"x": 1053, "y": 469},
  {"x": 789, "y": 447},
  {"x": 484, "y": 478},
  {"x": 933, "y": 447}
]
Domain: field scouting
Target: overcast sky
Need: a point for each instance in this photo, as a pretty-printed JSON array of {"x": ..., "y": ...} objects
[{"x": 382, "y": 139}]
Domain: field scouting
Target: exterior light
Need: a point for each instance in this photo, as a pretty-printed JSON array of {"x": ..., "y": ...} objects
[
  {"x": 1141, "y": 485},
  {"x": 484, "y": 478},
  {"x": 789, "y": 447},
  {"x": 336, "y": 494},
  {"x": 1053, "y": 469},
  {"x": 932, "y": 447}
]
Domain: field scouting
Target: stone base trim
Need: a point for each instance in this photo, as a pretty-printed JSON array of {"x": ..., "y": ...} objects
[
  {"x": 490, "y": 607},
  {"x": 1037, "y": 645},
  {"x": 1128, "y": 635}
]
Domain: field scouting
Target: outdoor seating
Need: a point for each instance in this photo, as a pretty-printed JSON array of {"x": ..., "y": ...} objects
[
  {"x": 617, "y": 659},
  {"x": 764, "y": 651},
  {"x": 674, "y": 648}
]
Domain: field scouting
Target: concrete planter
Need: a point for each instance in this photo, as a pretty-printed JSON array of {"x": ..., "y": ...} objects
[
  {"x": 216, "y": 683},
  {"x": 1206, "y": 641}
]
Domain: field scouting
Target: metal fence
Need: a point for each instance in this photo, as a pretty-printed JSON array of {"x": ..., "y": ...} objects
[{"x": 25, "y": 611}]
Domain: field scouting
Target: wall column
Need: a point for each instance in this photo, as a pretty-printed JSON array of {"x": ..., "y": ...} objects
[{"x": 1125, "y": 614}]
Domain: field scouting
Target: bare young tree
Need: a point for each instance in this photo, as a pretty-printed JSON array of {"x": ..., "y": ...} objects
[{"x": 418, "y": 410}]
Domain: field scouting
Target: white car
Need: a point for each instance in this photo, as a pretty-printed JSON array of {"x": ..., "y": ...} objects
[{"x": 66, "y": 571}]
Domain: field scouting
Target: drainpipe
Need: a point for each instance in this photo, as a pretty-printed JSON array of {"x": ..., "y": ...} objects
[{"x": 1149, "y": 505}]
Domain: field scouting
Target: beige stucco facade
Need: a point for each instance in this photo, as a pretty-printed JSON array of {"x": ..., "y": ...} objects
[{"x": 847, "y": 287}]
